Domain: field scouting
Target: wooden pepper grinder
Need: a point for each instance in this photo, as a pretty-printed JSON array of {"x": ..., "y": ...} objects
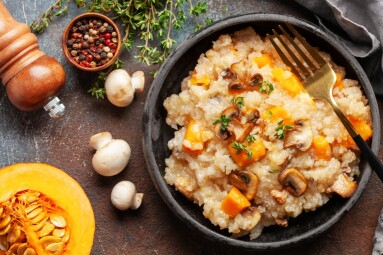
[{"x": 31, "y": 78}]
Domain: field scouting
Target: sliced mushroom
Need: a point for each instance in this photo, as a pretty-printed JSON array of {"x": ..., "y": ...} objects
[
  {"x": 253, "y": 214},
  {"x": 343, "y": 186},
  {"x": 293, "y": 181},
  {"x": 236, "y": 87},
  {"x": 255, "y": 80},
  {"x": 240, "y": 131},
  {"x": 251, "y": 115},
  {"x": 239, "y": 68},
  {"x": 301, "y": 136},
  {"x": 246, "y": 182},
  {"x": 279, "y": 196},
  {"x": 222, "y": 133},
  {"x": 282, "y": 222},
  {"x": 227, "y": 74},
  {"x": 231, "y": 112}
]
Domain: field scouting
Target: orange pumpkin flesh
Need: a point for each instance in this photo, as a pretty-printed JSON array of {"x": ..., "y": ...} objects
[{"x": 32, "y": 190}]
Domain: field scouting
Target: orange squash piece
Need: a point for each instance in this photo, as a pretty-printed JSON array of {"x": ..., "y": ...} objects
[
  {"x": 242, "y": 158},
  {"x": 277, "y": 113},
  {"x": 48, "y": 210},
  {"x": 263, "y": 60},
  {"x": 322, "y": 148},
  {"x": 291, "y": 84},
  {"x": 234, "y": 203},
  {"x": 193, "y": 141},
  {"x": 363, "y": 128}
]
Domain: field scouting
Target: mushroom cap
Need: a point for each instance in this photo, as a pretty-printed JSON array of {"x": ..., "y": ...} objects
[
  {"x": 98, "y": 140},
  {"x": 112, "y": 158},
  {"x": 122, "y": 195},
  {"x": 118, "y": 88}
]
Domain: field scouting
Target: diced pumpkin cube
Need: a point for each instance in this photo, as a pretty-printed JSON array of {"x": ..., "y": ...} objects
[
  {"x": 202, "y": 80},
  {"x": 339, "y": 82},
  {"x": 193, "y": 141},
  {"x": 246, "y": 153},
  {"x": 291, "y": 83},
  {"x": 263, "y": 60},
  {"x": 363, "y": 128},
  {"x": 322, "y": 148},
  {"x": 277, "y": 113},
  {"x": 234, "y": 203}
]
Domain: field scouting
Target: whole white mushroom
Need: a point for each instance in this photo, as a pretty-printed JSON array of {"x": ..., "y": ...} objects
[
  {"x": 124, "y": 196},
  {"x": 120, "y": 87},
  {"x": 112, "y": 155}
]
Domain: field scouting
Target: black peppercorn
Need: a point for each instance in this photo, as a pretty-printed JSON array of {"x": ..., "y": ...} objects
[
  {"x": 69, "y": 43},
  {"x": 110, "y": 29},
  {"x": 82, "y": 29},
  {"x": 103, "y": 55},
  {"x": 85, "y": 45},
  {"x": 97, "y": 57},
  {"x": 74, "y": 29},
  {"x": 99, "y": 51},
  {"x": 99, "y": 24},
  {"x": 82, "y": 57},
  {"x": 101, "y": 40},
  {"x": 78, "y": 23}
]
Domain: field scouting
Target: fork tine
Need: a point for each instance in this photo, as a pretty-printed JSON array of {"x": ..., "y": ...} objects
[
  {"x": 292, "y": 55},
  {"x": 298, "y": 49},
  {"x": 283, "y": 56},
  {"x": 308, "y": 47}
]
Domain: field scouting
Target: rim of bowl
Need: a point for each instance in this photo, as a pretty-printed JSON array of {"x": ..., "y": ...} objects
[
  {"x": 65, "y": 38},
  {"x": 158, "y": 179}
]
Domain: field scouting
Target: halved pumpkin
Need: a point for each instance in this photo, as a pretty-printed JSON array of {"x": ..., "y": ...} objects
[{"x": 43, "y": 211}]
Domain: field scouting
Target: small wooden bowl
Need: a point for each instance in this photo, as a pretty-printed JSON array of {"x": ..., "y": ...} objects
[{"x": 67, "y": 31}]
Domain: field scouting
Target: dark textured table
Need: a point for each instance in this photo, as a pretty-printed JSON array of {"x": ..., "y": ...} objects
[{"x": 152, "y": 229}]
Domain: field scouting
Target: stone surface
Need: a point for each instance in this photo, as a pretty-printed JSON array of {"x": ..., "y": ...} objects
[{"x": 152, "y": 229}]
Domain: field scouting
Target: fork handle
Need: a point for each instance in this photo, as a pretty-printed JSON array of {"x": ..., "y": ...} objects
[{"x": 372, "y": 159}]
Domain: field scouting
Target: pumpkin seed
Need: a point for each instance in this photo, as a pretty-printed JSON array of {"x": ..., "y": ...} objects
[
  {"x": 34, "y": 213},
  {"x": 46, "y": 229},
  {"x": 14, "y": 247},
  {"x": 21, "y": 249},
  {"x": 5, "y": 221},
  {"x": 38, "y": 218},
  {"x": 46, "y": 240},
  {"x": 55, "y": 247},
  {"x": 65, "y": 237},
  {"x": 31, "y": 207},
  {"x": 1, "y": 211},
  {"x": 14, "y": 235},
  {"x": 30, "y": 251},
  {"x": 57, "y": 220},
  {"x": 5, "y": 230},
  {"x": 58, "y": 232},
  {"x": 3, "y": 243},
  {"x": 39, "y": 225}
]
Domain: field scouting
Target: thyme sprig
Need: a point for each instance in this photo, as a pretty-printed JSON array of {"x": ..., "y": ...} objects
[
  {"x": 224, "y": 122},
  {"x": 280, "y": 130},
  {"x": 59, "y": 7},
  {"x": 240, "y": 147}
]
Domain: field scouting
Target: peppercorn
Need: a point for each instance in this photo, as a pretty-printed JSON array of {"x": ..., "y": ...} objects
[
  {"x": 114, "y": 40},
  {"x": 89, "y": 58},
  {"x": 107, "y": 42},
  {"x": 114, "y": 34},
  {"x": 82, "y": 57},
  {"x": 85, "y": 45},
  {"x": 73, "y": 53},
  {"x": 75, "y": 46},
  {"x": 86, "y": 37},
  {"x": 91, "y": 40},
  {"x": 82, "y": 29},
  {"x": 109, "y": 55},
  {"x": 109, "y": 29},
  {"x": 78, "y": 23},
  {"x": 102, "y": 29},
  {"x": 99, "y": 51},
  {"x": 74, "y": 29},
  {"x": 103, "y": 55},
  {"x": 69, "y": 43},
  {"x": 99, "y": 24},
  {"x": 102, "y": 40},
  {"x": 97, "y": 57},
  {"x": 93, "y": 64},
  {"x": 106, "y": 49},
  {"x": 107, "y": 36}
]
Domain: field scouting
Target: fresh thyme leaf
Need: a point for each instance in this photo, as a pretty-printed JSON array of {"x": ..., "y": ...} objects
[
  {"x": 250, "y": 138},
  {"x": 280, "y": 130},
  {"x": 266, "y": 87},
  {"x": 224, "y": 122},
  {"x": 240, "y": 147},
  {"x": 97, "y": 92},
  {"x": 238, "y": 101},
  {"x": 274, "y": 171}
]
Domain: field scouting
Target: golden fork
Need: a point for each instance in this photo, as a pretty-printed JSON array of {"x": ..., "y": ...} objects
[{"x": 318, "y": 79}]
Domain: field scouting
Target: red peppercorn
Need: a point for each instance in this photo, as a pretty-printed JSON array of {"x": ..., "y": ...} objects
[
  {"x": 112, "y": 45},
  {"x": 113, "y": 50},
  {"x": 108, "y": 42},
  {"x": 94, "y": 49},
  {"x": 107, "y": 35},
  {"x": 85, "y": 52},
  {"x": 89, "y": 58},
  {"x": 101, "y": 46}
]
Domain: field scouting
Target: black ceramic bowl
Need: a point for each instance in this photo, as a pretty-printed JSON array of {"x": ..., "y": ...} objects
[{"x": 156, "y": 133}]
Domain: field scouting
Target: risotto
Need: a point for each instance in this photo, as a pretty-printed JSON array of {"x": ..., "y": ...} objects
[{"x": 251, "y": 147}]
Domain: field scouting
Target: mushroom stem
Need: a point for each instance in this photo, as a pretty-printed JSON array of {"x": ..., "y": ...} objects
[
  {"x": 138, "y": 81},
  {"x": 137, "y": 199}
]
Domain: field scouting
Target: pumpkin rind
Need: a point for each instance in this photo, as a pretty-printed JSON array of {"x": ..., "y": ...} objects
[{"x": 66, "y": 193}]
